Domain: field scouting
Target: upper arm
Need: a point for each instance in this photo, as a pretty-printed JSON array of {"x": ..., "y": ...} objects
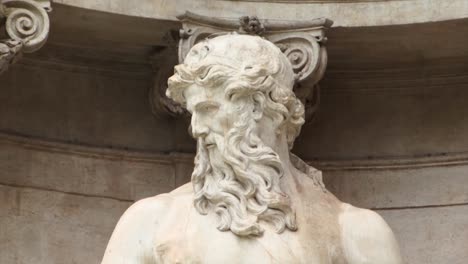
[
  {"x": 132, "y": 239},
  {"x": 366, "y": 238}
]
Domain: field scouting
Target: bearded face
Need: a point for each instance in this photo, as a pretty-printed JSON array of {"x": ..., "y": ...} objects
[
  {"x": 236, "y": 175},
  {"x": 231, "y": 99}
]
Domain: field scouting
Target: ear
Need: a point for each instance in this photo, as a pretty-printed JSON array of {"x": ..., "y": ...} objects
[{"x": 259, "y": 103}]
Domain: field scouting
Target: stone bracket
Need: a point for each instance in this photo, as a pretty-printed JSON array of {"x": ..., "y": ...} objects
[
  {"x": 163, "y": 62},
  {"x": 26, "y": 25},
  {"x": 303, "y": 42}
]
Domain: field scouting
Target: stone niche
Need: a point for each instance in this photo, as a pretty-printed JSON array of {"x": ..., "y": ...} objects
[{"x": 80, "y": 139}]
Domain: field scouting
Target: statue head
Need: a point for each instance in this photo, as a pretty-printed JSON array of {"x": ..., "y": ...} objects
[{"x": 239, "y": 90}]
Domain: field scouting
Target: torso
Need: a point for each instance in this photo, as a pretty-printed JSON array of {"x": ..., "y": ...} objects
[
  {"x": 166, "y": 229},
  {"x": 184, "y": 236}
]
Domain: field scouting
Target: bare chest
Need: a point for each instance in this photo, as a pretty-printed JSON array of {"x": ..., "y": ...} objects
[
  {"x": 187, "y": 250},
  {"x": 202, "y": 243}
]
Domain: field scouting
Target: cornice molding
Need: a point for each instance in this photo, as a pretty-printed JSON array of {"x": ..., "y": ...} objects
[
  {"x": 403, "y": 162},
  {"x": 54, "y": 146},
  {"x": 315, "y": 1},
  {"x": 122, "y": 62},
  {"x": 392, "y": 84},
  {"x": 27, "y": 27},
  {"x": 137, "y": 73}
]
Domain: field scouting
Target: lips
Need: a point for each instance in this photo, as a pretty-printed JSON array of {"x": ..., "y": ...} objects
[
  {"x": 209, "y": 141},
  {"x": 210, "y": 145}
]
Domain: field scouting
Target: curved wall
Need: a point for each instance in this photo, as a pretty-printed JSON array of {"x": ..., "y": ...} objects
[
  {"x": 72, "y": 105},
  {"x": 78, "y": 142},
  {"x": 75, "y": 195},
  {"x": 348, "y": 13}
]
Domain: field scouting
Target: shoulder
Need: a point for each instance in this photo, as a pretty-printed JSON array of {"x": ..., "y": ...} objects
[
  {"x": 149, "y": 209},
  {"x": 146, "y": 211},
  {"x": 366, "y": 237},
  {"x": 132, "y": 238}
]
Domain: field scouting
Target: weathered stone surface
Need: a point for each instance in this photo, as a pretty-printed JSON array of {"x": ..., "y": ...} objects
[
  {"x": 92, "y": 171},
  {"x": 431, "y": 235},
  {"x": 107, "y": 30},
  {"x": 356, "y": 13},
  {"x": 46, "y": 227},
  {"x": 387, "y": 123},
  {"x": 403, "y": 187},
  {"x": 78, "y": 103},
  {"x": 84, "y": 170}
]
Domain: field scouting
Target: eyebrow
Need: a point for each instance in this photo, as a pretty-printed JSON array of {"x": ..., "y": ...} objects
[{"x": 205, "y": 104}]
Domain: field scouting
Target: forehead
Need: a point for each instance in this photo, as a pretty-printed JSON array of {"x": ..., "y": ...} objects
[{"x": 195, "y": 94}]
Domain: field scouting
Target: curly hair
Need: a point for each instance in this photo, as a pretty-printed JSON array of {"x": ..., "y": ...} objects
[{"x": 259, "y": 69}]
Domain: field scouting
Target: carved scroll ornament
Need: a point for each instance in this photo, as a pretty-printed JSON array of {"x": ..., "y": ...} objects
[
  {"x": 303, "y": 42},
  {"x": 26, "y": 24}
]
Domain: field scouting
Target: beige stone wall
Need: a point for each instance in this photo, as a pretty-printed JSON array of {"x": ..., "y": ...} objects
[
  {"x": 424, "y": 202},
  {"x": 78, "y": 142},
  {"x": 49, "y": 226},
  {"x": 350, "y": 13},
  {"x": 60, "y": 202}
]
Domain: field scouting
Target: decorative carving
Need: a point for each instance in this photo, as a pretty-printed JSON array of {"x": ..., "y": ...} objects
[
  {"x": 163, "y": 63},
  {"x": 163, "y": 66},
  {"x": 303, "y": 42},
  {"x": 251, "y": 25},
  {"x": 10, "y": 52},
  {"x": 27, "y": 26}
]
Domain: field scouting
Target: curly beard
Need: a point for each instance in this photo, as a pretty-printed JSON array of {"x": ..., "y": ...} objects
[{"x": 239, "y": 180}]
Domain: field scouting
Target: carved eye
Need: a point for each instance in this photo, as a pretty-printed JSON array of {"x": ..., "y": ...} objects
[
  {"x": 210, "y": 108},
  {"x": 207, "y": 107}
]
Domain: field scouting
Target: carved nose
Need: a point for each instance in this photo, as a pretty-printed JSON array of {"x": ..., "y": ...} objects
[
  {"x": 199, "y": 131},
  {"x": 198, "y": 128}
]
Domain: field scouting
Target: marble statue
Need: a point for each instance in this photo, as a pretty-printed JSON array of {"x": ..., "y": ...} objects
[{"x": 250, "y": 200}]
